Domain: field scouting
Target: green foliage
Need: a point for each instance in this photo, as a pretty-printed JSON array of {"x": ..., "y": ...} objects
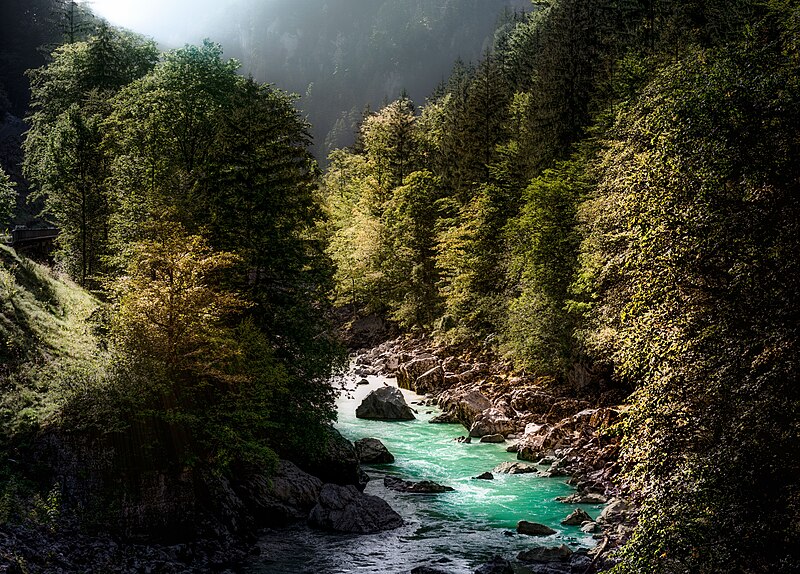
[
  {"x": 695, "y": 229},
  {"x": 8, "y": 198}
]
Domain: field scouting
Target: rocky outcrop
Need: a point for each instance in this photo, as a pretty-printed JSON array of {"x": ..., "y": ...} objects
[
  {"x": 386, "y": 404},
  {"x": 287, "y": 497},
  {"x": 421, "y": 487},
  {"x": 465, "y": 405},
  {"x": 345, "y": 509},
  {"x": 408, "y": 373},
  {"x": 534, "y": 528},
  {"x": 546, "y": 554},
  {"x": 514, "y": 468},
  {"x": 430, "y": 381},
  {"x": 445, "y": 418},
  {"x": 576, "y": 518},
  {"x": 497, "y": 565},
  {"x": 491, "y": 421},
  {"x": 336, "y": 463},
  {"x": 372, "y": 451}
]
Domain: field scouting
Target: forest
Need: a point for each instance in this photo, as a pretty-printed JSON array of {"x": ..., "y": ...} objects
[{"x": 601, "y": 201}]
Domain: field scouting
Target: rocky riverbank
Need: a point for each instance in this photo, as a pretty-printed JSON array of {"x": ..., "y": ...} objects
[{"x": 556, "y": 429}]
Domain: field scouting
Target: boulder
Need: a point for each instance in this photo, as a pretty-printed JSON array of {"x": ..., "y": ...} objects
[
  {"x": 345, "y": 509},
  {"x": 445, "y": 418},
  {"x": 546, "y": 554},
  {"x": 534, "y": 528},
  {"x": 337, "y": 463},
  {"x": 363, "y": 382},
  {"x": 289, "y": 497},
  {"x": 576, "y": 518},
  {"x": 372, "y": 451},
  {"x": 430, "y": 381},
  {"x": 493, "y": 438},
  {"x": 590, "y": 527},
  {"x": 422, "y": 487},
  {"x": 491, "y": 421},
  {"x": 497, "y": 565},
  {"x": 565, "y": 408},
  {"x": 484, "y": 476},
  {"x": 466, "y": 406},
  {"x": 514, "y": 468},
  {"x": 583, "y": 498},
  {"x": 408, "y": 372},
  {"x": 530, "y": 400},
  {"x": 614, "y": 512},
  {"x": 386, "y": 404}
]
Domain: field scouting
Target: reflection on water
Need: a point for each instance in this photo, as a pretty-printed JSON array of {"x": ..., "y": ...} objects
[{"x": 455, "y": 531}]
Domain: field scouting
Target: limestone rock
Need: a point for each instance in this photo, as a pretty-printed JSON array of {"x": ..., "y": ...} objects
[
  {"x": 491, "y": 421},
  {"x": 514, "y": 468},
  {"x": 577, "y": 518},
  {"x": 534, "y": 528},
  {"x": 422, "y": 487},
  {"x": 385, "y": 403},
  {"x": 372, "y": 451},
  {"x": 345, "y": 509}
]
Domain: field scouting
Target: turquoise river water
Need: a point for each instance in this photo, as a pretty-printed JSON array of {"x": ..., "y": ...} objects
[{"x": 453, "y": 531}]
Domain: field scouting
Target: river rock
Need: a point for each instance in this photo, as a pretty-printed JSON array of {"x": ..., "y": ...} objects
[
  {"x": 421, "y": 487},
  {"x": 408, "y": 372},
  {"x": 484, "y": 476},
  {"x": 614, "y": 512},
  {"x": 363, "y": 382},
  {"x": 493, "y": 438},
  {"x": 583, "y": 498},
  {"x": 514, "y": 468},
  {"x": 534, "y": 528},
  {"x": 546, "y": 554},
  {"x": 445, "y": 418},
  {"x": 590, "y": 527},
  {"x": 491, "y": 421},
  {"x": 430, "y": 381},
  {"x": 287, "y": 497},
  {"x": 576, "y": 518},
  {"x": 345, "y": 509},
  {"x": 497, "y": 565},
  {"x": 337, "y": 463},
  {"x": 372, "y": 451},
  {"x": 465, "y": 405},
  {"x": 386, "y": 404}
]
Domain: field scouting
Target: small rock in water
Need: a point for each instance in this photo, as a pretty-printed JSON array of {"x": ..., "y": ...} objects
[
  {"x": 484, "y": 476},
  {"x": 422, "y": 487},
  {"x": 577, "y": 518},
  {"x": 514, "y": 468},
  {"x": 463, "y": 439},
  {"x": 534, "y": 528},
  {"x": 493, "y": 438},
  {"x": 444, "y": 418},
  {"x": 498, "y": 565},
  {"x": 546, "y": 554},
  {"x": 363, "y": 382}
]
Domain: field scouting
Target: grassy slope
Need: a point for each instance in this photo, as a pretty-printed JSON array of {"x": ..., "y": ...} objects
[{"x": 47, "y": 340}]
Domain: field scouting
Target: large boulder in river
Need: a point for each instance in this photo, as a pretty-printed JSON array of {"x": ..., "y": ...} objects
[
  {"x": 497, "y": 565},
  {"x": 408, "y": 372},
  {"x": 576, "y": 518},
  {"x": 534, "y": 528},
  {"x": 385, "y": 404},
  {"x": 345, "y": 509},
  {"x": 514, "y": 468},
  {"x": 372, "y": 451},
  {"x": 491, "y": 421}
]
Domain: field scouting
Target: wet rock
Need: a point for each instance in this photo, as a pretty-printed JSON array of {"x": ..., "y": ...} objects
[
  {"x": 429, "y": 381},
  {"x": 546, "y": 554},
  {"x": 534, "y": 528},
  {"x": 590, "y": 527},
  {"x": 408, "y": 372},
  {"x": 497, "y": 565},
  {"x": 576, "y": 518},
  {"x": 463, "y": 439},
  {"x": 372, "y": 451},
  {"x": 385, "y": 403},
  {"x": 491, "y": 421},
  {"x": 363, "y": 382},
  {"x": 465, "y": 405},
  {"x": 421, "y": 487},
  {"x": 484, "y": 476},
  {"x": 287, "y": 497},
  {"x": 427, "y": 570},
  {"x": 493, "y": 438},
  {"x": 338, "y": 462},
  {"x": 514, "y": 468},
  {"x": 583, "y": 498},
  {"x": 345, "y": 509}
]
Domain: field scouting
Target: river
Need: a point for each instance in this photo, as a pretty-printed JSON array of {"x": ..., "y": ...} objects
[{"x": 454, "y": 531}]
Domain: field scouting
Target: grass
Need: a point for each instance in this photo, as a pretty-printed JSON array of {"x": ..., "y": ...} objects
[{"x": 47, "y": 339}]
